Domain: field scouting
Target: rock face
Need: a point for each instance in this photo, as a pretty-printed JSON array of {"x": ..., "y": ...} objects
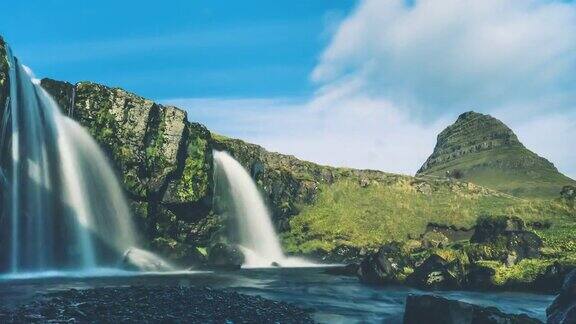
[
  {"x": 437, "y": 310},
  {"x": 506, "y": 239},
  {"x": 481, "y": 149},
  {"x": 563, "y": 309},
  {"x": 164, "y": 161},
  {"x": 287, "y": 182}
]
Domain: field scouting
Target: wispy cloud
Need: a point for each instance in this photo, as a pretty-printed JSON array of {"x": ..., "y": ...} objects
[{"x": 394, "y": 75}]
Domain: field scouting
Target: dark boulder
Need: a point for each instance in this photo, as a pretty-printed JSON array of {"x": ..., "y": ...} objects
[
  {"x": 438, "y": 273},
  {"x": 437, "y": 310},
  {"x": 480, "y": 277},
  {"x": 563, "y": 309},
  {"x": 490, "y": 228},
  {"x": 221, "y": 255},
  {"x": 342, "y": 254},
  {"x": 552, "y": 280},
  {"x": 505, "y": 239},
  {"x": 384, "y": 266}
]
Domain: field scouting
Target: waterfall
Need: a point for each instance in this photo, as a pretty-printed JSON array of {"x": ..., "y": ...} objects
[
  {"x": 256, "y": 235},
  {"x": 65, "y": 208}
]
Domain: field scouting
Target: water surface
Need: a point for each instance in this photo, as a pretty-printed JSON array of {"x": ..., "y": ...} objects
[{"x": 332, "y": 299}]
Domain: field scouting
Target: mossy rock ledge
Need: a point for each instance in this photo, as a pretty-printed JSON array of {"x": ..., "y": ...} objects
[{"x": 503, "y": 254}]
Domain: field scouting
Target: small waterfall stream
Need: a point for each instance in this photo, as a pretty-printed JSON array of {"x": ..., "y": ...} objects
[
  {"x": 256, "y": 235},
  {"x": 65, "y": 209}
]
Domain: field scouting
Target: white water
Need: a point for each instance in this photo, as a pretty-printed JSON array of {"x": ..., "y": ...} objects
[
  {"x": 65, "y": 208},
  {"x": 257, "y": 237}
]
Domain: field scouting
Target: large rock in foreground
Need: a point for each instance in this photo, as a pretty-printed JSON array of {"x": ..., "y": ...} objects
[
  {"x": 563, "y": 309},
  {"x": 437, "y": 310},
  {"x": 481, "y": 149}
]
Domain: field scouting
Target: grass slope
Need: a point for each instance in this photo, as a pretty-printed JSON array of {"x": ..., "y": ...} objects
[
  {"x": 345, "y": 213},
  {"x": 496, "y": 169}
]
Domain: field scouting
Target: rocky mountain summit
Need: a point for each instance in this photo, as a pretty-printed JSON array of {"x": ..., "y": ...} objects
[{"x": 481, "y": 149}]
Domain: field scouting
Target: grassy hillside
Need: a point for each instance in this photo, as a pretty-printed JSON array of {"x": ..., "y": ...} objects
[
  {"x": 495, "y": 169},
  {"x": 345, "y": 213}
]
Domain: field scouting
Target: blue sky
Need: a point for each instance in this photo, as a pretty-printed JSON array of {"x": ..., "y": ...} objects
[
  {"x": 175, "y": 48},
  {"x": 365, "y": 84}
]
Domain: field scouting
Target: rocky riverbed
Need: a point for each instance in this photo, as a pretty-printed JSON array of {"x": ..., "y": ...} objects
[{"x": 153, "y": 305}]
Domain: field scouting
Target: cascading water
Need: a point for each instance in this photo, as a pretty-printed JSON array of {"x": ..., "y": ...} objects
[
  {"x": 65, "y": 207},
  {"x": 256, "y": 235}
]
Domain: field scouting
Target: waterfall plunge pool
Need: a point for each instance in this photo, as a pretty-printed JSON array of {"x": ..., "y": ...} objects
[{"x": 332, "y": 299}]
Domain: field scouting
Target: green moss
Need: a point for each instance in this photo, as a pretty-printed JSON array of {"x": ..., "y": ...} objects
[
  {"x": 155, "y": 159},
  {"x": 196, "y": 177},
  {"x": 559, "y": 239}
]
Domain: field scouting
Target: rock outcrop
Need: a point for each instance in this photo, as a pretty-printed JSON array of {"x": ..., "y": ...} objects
[
  {"x": 437, "y": 310},
  {"x": 164, "y": 161},
  {"x": 481, "y": 149},
  {"x": 501, "y": 254}
]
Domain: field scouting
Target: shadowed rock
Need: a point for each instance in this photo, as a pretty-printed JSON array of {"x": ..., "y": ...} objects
[
  {"x": 563, "y": 309},
  {"x": 437, "y": 310}
]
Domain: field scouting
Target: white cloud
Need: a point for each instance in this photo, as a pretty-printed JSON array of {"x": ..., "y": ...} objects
[
  {"x": 450, "y": 55},
  {"x": 394, "y": 75}
]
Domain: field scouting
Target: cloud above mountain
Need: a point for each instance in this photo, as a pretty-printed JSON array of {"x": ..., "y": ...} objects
[
  {"x": 449, "y": 55},
  {"x": 396, "y": 72}
]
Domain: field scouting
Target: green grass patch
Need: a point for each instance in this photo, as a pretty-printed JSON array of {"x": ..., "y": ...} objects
[{"x": 346, "y": 214}]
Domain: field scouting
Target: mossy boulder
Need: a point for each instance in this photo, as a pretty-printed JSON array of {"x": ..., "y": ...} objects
[
  {"x": 225, "y": 256},
  {"x": 441, "y": 272},
  {"x": 434, "y": 239},
  {"x": 505, "y": 239},
  {"x": 392, "y": 264},
  {"x": 568, "y": 194}
]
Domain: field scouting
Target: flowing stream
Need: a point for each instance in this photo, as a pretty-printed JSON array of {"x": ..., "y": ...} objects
[
  {"x": 65, "y": 208},
  {"x": 256, "y": 235}
]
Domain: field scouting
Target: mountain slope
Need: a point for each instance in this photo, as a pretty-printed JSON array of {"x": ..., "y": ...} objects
[{"x": 481, "y": 149}]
